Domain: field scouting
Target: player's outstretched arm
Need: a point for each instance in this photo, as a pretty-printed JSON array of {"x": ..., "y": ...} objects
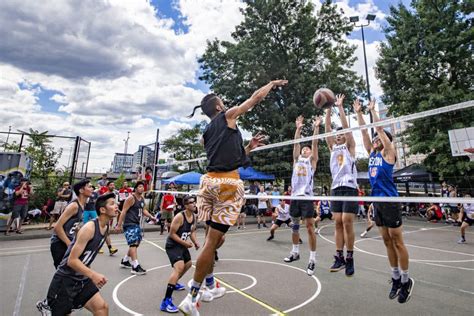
[
  {"x": 296, "y": 146},
  {"x": 360, "y": 119},
  {"x": 327, "y": 129},
  {"x": 257, "y": 96},
  {"x": 314, "y": 144},
  {"x": 342, "y": 114},
  {"x": 389, "y": 152}
]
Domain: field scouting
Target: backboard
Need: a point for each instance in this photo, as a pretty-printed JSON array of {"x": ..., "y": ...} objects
[{"x": 462, "y": 142}]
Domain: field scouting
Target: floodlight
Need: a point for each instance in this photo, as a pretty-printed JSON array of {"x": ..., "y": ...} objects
[
  {"x": 370, "y": 17},
  {"x": 354, "y": 19}
]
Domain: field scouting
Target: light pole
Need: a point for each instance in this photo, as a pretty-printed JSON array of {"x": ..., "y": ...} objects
[{"x": 354, "y": 20}]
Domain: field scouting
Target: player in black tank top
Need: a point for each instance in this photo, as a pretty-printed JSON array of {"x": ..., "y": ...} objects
[
  {"x": 130, "y": 222},
  {"x": 69, "y": 222},
  {"x": 177, "y": 244},
  {"x": 75, "y": 285}
]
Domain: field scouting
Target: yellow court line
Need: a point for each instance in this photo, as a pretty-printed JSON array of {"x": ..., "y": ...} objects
[{"x": 250, "y": 297}]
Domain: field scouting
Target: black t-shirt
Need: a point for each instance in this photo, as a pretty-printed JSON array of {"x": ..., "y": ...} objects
[{"x": 224, "y": 146}]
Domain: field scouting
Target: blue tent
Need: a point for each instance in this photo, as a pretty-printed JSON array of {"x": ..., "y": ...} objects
[
  {"x": 250, "y": 173},
  {"x": 185, "y": 178}
]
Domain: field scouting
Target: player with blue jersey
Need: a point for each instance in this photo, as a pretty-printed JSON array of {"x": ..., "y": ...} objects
[{"x": 388, "y": 215}]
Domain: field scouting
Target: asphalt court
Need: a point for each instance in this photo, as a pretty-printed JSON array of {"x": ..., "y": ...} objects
[{"x": 264, "y": 284}]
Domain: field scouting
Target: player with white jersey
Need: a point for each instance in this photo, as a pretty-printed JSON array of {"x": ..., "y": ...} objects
[
  {"x": 282, "y": 217},
  {"x": 466, "y": 218},
  {"x": 344, "y": 183},
  {"x": 304, "y": 166}
]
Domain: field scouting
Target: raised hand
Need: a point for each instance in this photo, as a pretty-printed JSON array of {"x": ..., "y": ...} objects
[
  {"x": 371, "y": 106},
  {"x": 340, "y": 100},
  {"x": 357, "y": 106},
  {"x": 299, "y": 122},
  {"x": 317, "y": 121},
  {"x": 257, "y": 140}
]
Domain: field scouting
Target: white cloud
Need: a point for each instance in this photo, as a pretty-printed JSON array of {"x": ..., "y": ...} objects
[{"x": 361, "y": 10}]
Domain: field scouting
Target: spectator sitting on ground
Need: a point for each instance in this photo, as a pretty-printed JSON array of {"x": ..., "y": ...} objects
[{"x": 433, "y": 213}]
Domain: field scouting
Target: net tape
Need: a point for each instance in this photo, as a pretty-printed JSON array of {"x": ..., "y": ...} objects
[
  {"x": 385, "y": 122},
  {"x": 394, "y": 199}
]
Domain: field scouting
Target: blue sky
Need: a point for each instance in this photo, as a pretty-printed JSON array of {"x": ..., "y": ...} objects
[{"x": 124, "y": 65}]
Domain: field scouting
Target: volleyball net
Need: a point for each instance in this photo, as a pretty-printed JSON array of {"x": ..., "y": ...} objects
[{"x": 432, "y": 147}]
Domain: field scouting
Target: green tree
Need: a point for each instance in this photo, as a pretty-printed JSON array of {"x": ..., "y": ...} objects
[
  {"x": 282, "y": 40},
  {"x": 427, "y": 62},
  {"x": 185, "y": 144}
]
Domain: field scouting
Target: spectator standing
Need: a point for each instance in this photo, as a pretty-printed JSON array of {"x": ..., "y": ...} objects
[
  {"x": 148, "y": 177},
  {"x": 20, "y": 206},
  {"x": 124, "y": 193},
  {"x": 64, "y": 195},
  {"x": 167, "y": 207},
  {"x": 90, "y": 212},
  {"x": 262, "y": 207},
  {"x": 102, "y": 181}
]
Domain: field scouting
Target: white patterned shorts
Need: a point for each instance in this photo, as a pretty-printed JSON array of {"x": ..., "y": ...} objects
[{"x": 220, "y": 198}]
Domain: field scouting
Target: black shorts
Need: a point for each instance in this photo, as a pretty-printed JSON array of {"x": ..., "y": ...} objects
[
  {"x": 66, "y": 294},
  {"x": 388, "y": 214},
  {"x": 178, "y": 253},
  {"x": 468, "y": 220},
  {"x": 344, "y": 206},
  {"x": 302, "y": 208},
  {"x": 261, "y": 211},
  {"x": 58, "y": 250},
  {"x": 278, "y": 222},
  {"x": 323, "y": 216}
]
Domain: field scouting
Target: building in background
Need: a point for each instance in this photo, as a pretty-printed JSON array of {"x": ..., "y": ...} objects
[
  {"x": 147, "y": 160},
  {"x": 405, "y": 158},
  {"x": 122, "y": 163}
]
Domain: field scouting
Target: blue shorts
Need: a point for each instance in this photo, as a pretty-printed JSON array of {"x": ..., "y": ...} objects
[
  {"x": 89, "y": 215},
  {"x": 133, "y": 234}
]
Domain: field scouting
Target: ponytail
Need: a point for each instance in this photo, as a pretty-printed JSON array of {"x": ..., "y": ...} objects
[
  {"x": 208, "y": 105},
  {"x": 194, "y": 110}
]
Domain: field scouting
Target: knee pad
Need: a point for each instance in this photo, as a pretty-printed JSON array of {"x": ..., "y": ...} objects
[{"x": 295, "y": 228}]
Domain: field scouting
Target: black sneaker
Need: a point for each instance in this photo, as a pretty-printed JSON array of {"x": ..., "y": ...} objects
[
  {"x": 396, "y": 285},
  {"x": 339, "y": 263},
  {"x": 270, "y": 238},
  {"x": 265, "y": 225},
  {"x": 258, "y": 226},
  {"x": 310, "y": 270},
  {"x": 292, "y": 257},
  {"x": 138, "y": 270},
  {"x": 125, "y": 264},
  {"x": 349, "y": 267},
  {"x": 405, "y": 291},
  {"x": 43, "y": 308}
]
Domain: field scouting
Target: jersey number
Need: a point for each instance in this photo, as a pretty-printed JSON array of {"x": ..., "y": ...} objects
[
  {"x": 74, "y": 228},
  {"x": 184, "y": 236},
  {"x": 87, "y": 257}
]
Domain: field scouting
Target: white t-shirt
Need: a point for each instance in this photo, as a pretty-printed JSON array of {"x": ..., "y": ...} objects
[
  {"x": 302, "y": 177},
  {"x": 283, "y": 212},
  {"x": 343, "y": 168},
  {"x": 469, "y": 210},
  {"x": 262, "y": 204}
]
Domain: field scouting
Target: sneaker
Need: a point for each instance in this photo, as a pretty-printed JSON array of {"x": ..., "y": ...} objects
[
  {"x": 179, "y": 287},
  {"x": 363, "y": 234},
  {"x": 311, "y": 267},
  {"x": 396, "y": 285},
  {"x": 270, "y": 238},
  {"x": 125, "y": 264},
  {"x": 101, "y": 251},
  {"x": 43, "y": 308},
  {"x": 188, "y": 307},
  {"x": 138, "y": 270},
  {"x": 349, "y": 267},
  {"x": 112, "y": 251},
  {"x": 462, "y": 241},
  {"x": 405, "y": 291},
  {"x": 265, "y": 225},
  {"x": 258, "y": 226},
  {"x": 168, "y": 306},
  {"x": 339, "y": 263},
  {"x": 292, "y": 257},
  {"x": 216, "y": 292}
]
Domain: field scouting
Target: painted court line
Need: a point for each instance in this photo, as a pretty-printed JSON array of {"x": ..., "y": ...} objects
[{"x": 19, "y": 297}]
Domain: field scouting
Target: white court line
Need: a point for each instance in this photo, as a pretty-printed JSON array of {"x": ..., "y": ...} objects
[
  {"x": 19, "y": 296},
  {"x": 315, "y": 295},
  {"x": 251, "y": 277},
  {"x": 422, "y": 261}
]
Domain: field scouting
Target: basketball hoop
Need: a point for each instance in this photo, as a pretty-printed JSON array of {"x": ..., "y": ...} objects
[{"x": 470, "y": 152}]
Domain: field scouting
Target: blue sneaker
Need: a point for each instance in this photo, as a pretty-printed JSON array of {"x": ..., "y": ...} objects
[
  {"x": 179, "y": 287},
  {"x": 168, "y": 306},
  {"x": 349, "y": 267},
  {"x": 339, "y": 263}
]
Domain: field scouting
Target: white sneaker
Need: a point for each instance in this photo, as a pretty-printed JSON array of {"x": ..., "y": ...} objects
[
  {"x": 216, "y": 292},
  {"x": 188, "y": 307},
  {"x": 363, "y": 234}
]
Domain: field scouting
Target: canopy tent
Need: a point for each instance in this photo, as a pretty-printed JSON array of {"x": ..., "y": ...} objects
[
  {"x": 414, "y": 173},
  {"x": 185, "y": 178},
  {"x": 250, "y": 173}
]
